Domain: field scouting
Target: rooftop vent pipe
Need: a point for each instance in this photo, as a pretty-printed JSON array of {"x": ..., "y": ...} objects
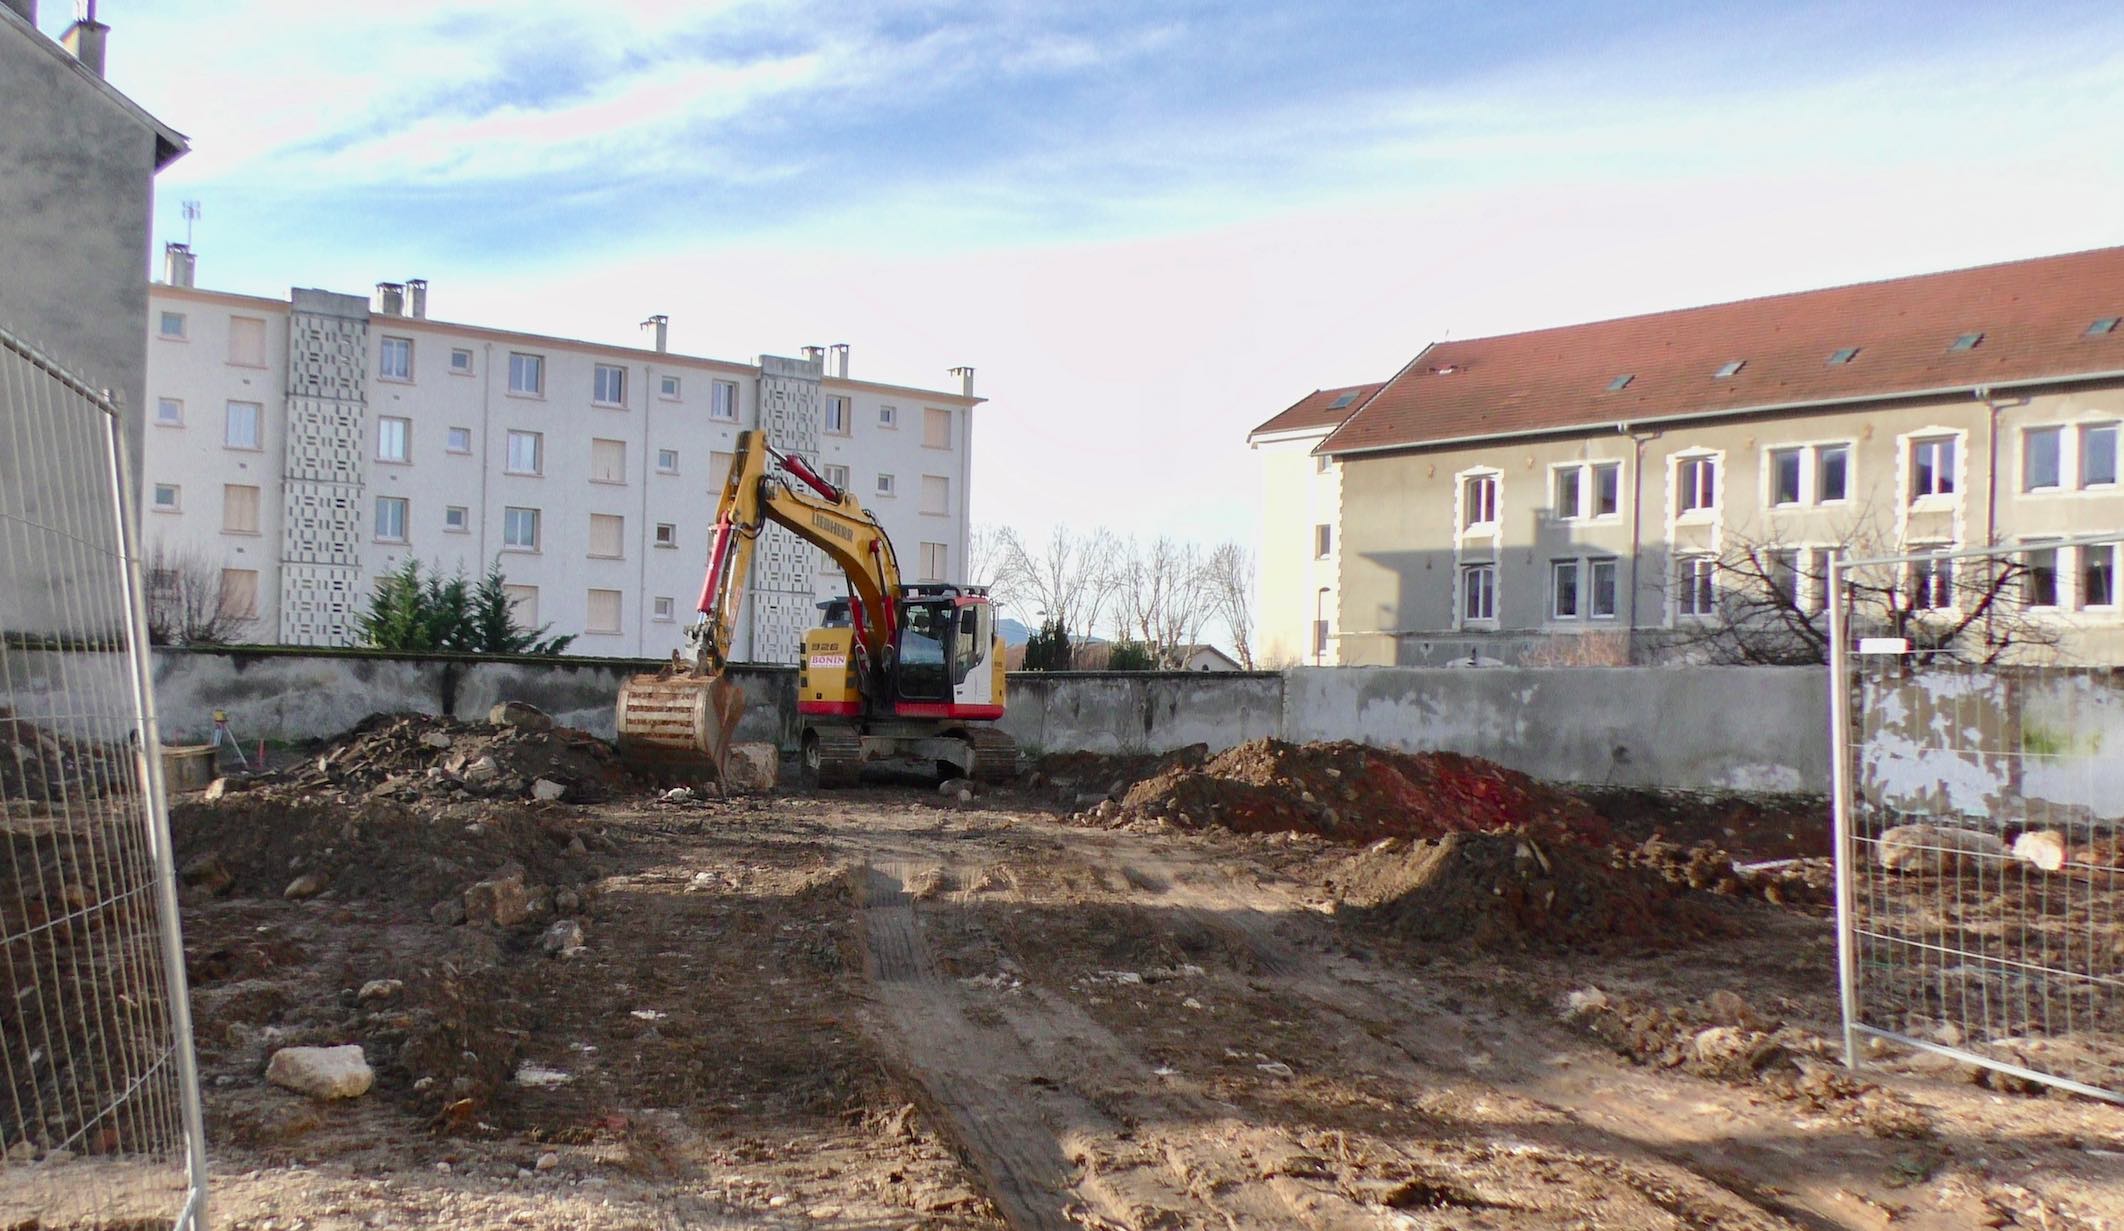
[
  {"x": 840, "y": 360},
  {"x": 86, "y": 38},
  {"x": 814, "y": 354},
  {"x": 391, "y": 298},
  {"x": 965, "y": 376},
  {"x": 662, "y": 325},
  {"x": 417, "y": 298},
  {"x": 179, "y": 264}
]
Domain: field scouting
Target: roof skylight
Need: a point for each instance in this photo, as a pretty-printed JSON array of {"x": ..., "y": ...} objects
[
  {"x": 1621, "y": 382},
  {"x": 1731, "y": 368},
  {"x": 1967, "y": 341},
  {"x": 1342, "y": 401},
  {"x": 2107, "y": 324},
  {"x": 1845, "y": 355}
]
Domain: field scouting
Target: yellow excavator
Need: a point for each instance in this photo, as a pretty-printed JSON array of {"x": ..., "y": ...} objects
[{"x": 895, "y": 671}]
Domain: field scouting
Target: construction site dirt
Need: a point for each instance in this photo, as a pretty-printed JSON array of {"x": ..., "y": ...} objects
[{"x": 1057, "y": 1006}]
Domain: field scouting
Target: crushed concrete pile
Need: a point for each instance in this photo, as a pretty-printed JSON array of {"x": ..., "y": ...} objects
[
  {"x": 1707, "y": 867},
  {"x": 36, "y": 764},
  {"x": 1353, "y": 793},
  {"x": 1513, "y": 889},
  {"x": 519, "y": 754}
]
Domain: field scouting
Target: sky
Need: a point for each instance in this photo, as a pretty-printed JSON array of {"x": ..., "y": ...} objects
[{"x": 1147, "y": 226}]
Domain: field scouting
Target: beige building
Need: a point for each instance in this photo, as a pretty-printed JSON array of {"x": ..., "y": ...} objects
[{"x": 1617, "y": 491}]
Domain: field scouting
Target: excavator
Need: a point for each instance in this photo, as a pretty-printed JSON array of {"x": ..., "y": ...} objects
[{"x": 909, "y": 672}]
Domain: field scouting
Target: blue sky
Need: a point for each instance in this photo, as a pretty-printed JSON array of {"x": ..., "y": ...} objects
[{"x": 1149, "y": 226}]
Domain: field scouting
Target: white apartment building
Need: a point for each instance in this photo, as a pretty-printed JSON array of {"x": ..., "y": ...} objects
[
  {"x": 308, "y": 446},
  {"x": 1295, "y": 606}
]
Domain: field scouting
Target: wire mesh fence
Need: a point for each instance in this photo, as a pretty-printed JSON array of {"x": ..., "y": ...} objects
[
  {"x": 99, "y": 1109},
  {"x": 1978, "y": 714}
]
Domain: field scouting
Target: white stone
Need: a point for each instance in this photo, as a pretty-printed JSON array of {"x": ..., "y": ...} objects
[
  {"x": 322, "y": 1072},
  {"x": 1929, "y": 849},
  {"x": 2044, "y": 848},
  {"x": 547, "y": 790}
]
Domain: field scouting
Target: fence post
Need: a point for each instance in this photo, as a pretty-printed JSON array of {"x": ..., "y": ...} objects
[{"x": 1840, "y": 787}]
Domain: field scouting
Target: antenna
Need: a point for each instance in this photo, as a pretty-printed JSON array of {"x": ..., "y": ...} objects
[{"x": 191, "y": 215}]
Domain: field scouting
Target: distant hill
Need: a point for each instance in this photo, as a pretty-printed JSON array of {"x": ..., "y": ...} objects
[{"x": 1012, "y": 632}]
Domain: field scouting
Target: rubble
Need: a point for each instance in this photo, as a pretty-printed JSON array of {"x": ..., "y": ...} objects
[
  {"x": 1934, "y": 849},
  {"x": 36, "y": 764}
]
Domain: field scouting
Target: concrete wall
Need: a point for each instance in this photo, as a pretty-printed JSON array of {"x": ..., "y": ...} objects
[{"x": 1141, "y": 712}]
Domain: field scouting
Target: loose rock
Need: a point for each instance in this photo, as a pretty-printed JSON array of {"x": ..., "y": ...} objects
[
  {"x": 503, "y": 902},
  {"x": 563, "y": 938},
  {"x": 1932, "y": 849},
  {"x": 322, "y": 1072},
  {"x": 2044, "y": 848},
  {"x": 546, "y": 790},
  {"x": 308, "y": 885},
  {"x": 520, "y": 714},
  {"x": 380, "y": 989}
]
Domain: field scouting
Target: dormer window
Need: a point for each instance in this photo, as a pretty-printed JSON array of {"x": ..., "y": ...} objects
[
  {"x": 1967, "y": 341},
  {"x": 1731, "y": 368},
  {"x": 1843, "y": 356},
  {"x": 1622, "y": 382}
]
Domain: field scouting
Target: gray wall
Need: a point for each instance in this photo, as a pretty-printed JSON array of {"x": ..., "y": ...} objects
[{"x": 1138, "y": 712}]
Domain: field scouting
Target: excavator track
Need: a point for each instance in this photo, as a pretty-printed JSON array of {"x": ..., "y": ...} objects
[
  {"x": 833, "y": 756},
  {"x": 995, "y": 754}
]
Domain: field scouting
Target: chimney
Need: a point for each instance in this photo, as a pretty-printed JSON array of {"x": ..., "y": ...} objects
[
  {"x": 965, "y": 376},
  {"x": 815, "y": 354},
  {"x": 391, "y": 299},
  {"x": 417, "y": 298},
  {"x": 27, "y": 8},
  {"x": 662, "y": 325},
  {"x": 840, "y": 360},
  {"x": 179, "y": 264},
  {"x": 86, "y": 37}
]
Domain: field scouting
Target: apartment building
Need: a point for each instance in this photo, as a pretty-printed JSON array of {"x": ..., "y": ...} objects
[
  {"x": 306, "y": 447},
  {"x": 1295, "y": 604},
  {"x": 1579, "y": 494}
]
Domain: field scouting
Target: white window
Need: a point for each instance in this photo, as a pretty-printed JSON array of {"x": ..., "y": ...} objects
[
  {"x": 1320, "y": 639},
  {"x": 1600, "y": 597},
  {"x": 936, "y": 428},
  {"x": 169, "y": 412},
  {"x": 2039, "y": 577},
  {"x": 168, "y": 497},
  {"x": 247, "y": 341},
  {"x": 884, "y": 485},
  {"x": 239, "y": 593},
  {"x": 520, "y": 529},
  {"x": 1696, "y": 586},
  {"x": 1478, "y": 496},
  {"x": 1781, "y": 569},
  {"x": 527, "y": 453},
  {"x": 2098, "y": 575},
  {"x": 1478, "y": 592},
  {"x": 936, "y": 494},
  {"x": 888, "y": 416},
  {"x": 1832, "y": 473},
  {"x": 602, "y": 614},
  {"x": 457, "y": 519},
  {"x": 391, "y": 519},
  {"x": 2098, "y": 455},
  {"x": 667, "y": 388},
  {"x": 1696, "y": 484},
  {"x": 667, "y": 461},
  {"x": 172, "y": 325},
  {"x": 1593, "y": 489},
  {"x": 1570, "y": 493},
  {"x": 527, "y": 374},
  {"x": 395, "y": 360},
  {"x": 1931, "y": 467},
  {"x": 1931, "y": 583},
  {"x": 723, "y": 400},
  {"x": 666, "y": 534},
  {"x": 608, "y": 385},
  {"x": 936, "y": 561},
  {"x": 608, "y": 532},
  {"x": 837, "y": 415},
  {"x": 1323, "y": 540},
  {"x": 837, "y": 476},
  {"x": 608, "y": 461},
  {"x": 239, "y": 509},
  {"x": 460, "y": 361},
  {"x": 1565, "y": 601},
  {"x": 663, "y": 608},
  {"x": 1785, "y": 476},
  {"x": 394, "y": 439},
  {"x": 2042, "y": 457},
  {"x": 241, "y": 429},
  {"x": 458, "y": 440},
  {"x": 523, "y": 604}
]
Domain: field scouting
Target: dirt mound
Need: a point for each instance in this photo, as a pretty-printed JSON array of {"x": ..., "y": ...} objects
[
  {"x": 1356, "y": 793},
  {"x": 421, "y": 756},
  {"x": 1511, "y": 889},
  {"x": 38, "y": 765}
]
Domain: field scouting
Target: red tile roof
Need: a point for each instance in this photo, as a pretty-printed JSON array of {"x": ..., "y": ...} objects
[
  {"x": 1317, "y": 409},
  {"x": 2034, "y": 318}
]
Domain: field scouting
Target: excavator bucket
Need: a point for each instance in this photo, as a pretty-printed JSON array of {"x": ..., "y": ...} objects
[{"x": 676, "y": 725}]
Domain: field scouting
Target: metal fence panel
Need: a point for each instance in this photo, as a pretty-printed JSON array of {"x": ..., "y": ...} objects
[
  {"x": 99, "y": 1100},
  {"x": 1978, "y": 729}
]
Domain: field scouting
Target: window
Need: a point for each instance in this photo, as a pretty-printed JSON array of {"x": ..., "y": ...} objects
[
  {"x": 1600, "y": 600},
  {"x": 457, "y": 519},
  {"x": 1323, "y": 540},
  {"x": 936, "y": 494},
  {"x": 884, "y": 485},
  {"x": 1932, "y": 467},
  {"x": 1478, "y": 592},
  {"x": 168, "y": 497},
  {"x": 395, "y": 360},
  {"x": 1932, "y": 583},
  {"x": 520, "y": 529},
  {"x": 1621, "y": 382},
  {"x": 1570, "y": 484},
  {"x": 608, "y": 461},
  {"x": 1696, "y": 484},
  {"x": 172, "y": 326},
  {"x": 247, "y": 341},
  {"x": 719, "y": 465},
  {"x": 2098, "y": 575},
  {"x": 523, "y": 604},
  {"x": 1607, "y": 488},
  {"x": 607, "y": 534},
  {"x": 936, "y": 428},
  {"x": 667, "y": 461},
  {"x": 241, "y": 429},
  {"x": 169, "y": 412},
  {"x": 393, "y": 439},
  {"x": 391, "y": 519},
  {"x": 163, "y": 583},
  {"x": 1320, "y": 639},
  {"x": 667, "y": 388},
  {"x": 1563, "y": 589},
  {"x": 2039, "y": 578},
  {"x": 2102, "y": 325},
  {"x": 888, "y": 416},
  {"x": 1478, "y": 497},
  {"x": 1844, "y": 356},
  {"x": 1589, "y": 490},
  {"x": 837, "y": 415},
  {"x": 1968, "y": 341},
  {"x": 666, "y": 534},
  {"x": 527, "y": 453},
  {"x": 1781, "y": 569},
  {"x": 723, "y": 400},
  {"x": 527, "y": 374},
  {"x": 2042, "y": 449},
  {"x": 239, "y": 593},
  {"x": 603, "y": 612},
  {"x": 239, "y": 509},
  {"x": 936, "y": 561},
  {"x": 662, "y": 608},
  {"x": 1323, "y": 464},
  {"x": 2098, "y": 455},
  {"x": 835, "y": 475},
  {"x": 460, "y": 361},
  {"x": 1832, "y": 473},
  {"x": 1731, "y": 367},
  {"x": 608, "y": 385},
  {"x": 1696, "y": 586},
  {"x": 1784, "y": 476},
  {"x": 458, "y": 440}
]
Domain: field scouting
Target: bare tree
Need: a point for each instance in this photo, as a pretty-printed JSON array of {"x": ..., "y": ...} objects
[
  {"x": 1162, "y": 596},
  {"x": 1069, "y": 578},
  {"x": 187, "y": 603},
  {"x": 988, "y": 560},
  {"x": 1229, "y": 578}
]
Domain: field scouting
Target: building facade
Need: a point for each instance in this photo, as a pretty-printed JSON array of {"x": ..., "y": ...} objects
[
  {"x": 306, "y": 447},
  {"x": 1599, "y": 493},
  {"x": 1296, "y": 600}
]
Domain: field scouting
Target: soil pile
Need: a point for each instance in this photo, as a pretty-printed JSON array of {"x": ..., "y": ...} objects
[
  {"x": 38, "y": 765},
  {"x": 418, "y": 756},
  {"x": 1355, "y": 793},
  {"x": 1511, "y": 889}
]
